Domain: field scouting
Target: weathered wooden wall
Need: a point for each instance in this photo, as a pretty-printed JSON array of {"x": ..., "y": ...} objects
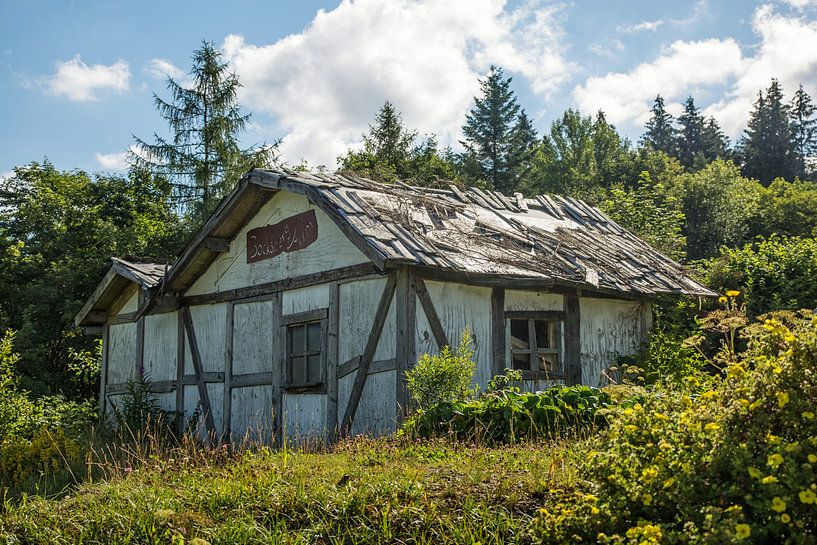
[
  {"x": 358, "y": 301},
  {"x": 330, "y": 251},
  {"x": 609, "y": 328}
]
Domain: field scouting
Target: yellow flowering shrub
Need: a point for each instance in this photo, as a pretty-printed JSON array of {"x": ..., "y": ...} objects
[{"x": 732, "y": 462}]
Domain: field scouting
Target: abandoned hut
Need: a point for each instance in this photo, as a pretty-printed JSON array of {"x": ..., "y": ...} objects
[{"x": 298, "y": 306}]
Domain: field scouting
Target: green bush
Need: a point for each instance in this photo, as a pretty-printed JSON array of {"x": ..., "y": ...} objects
[
  {"x": 445, "y": 377},
  {"x": 773, "y": 274},
  {"x": 728, "y": 459},
  {"x": 509, "y": 416}
]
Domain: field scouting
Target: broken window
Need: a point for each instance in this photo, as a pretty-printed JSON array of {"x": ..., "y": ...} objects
[
  {"x": 535, "y": 344},
  {"x": 304, "y": 359}
]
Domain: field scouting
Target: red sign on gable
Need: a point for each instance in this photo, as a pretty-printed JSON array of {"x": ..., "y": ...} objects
[{"x": 289, "y": 235}]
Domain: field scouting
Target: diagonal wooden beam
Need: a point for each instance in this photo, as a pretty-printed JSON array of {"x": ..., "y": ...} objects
[
  {"x": 368, "y": 354},
  {"x": 204, "y": 397},
  {"x": 431, "y": 313}
]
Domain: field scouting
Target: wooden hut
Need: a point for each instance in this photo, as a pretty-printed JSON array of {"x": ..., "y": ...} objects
[{"x": 302, "y": 301}]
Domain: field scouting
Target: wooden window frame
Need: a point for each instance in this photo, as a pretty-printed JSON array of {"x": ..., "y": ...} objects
[
  {"x": 300, "y": 319},
  {"x": 534, "y": 373}
]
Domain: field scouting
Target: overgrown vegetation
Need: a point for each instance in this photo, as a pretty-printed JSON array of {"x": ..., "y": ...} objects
[
  {"x": 724, "y": 458},
  {"x": 448, "y": 405}
]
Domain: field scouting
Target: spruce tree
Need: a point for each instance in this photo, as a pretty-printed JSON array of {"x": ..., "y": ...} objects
[
  {"x": 660, "y": 135},
  {"x": 202, "y": 157},
  {"x": 488, "y": 128},
  {"x": 715, "y": 144},
  {"x": 804, "y": 130},
  {"x": 768, "y": 148},
  {"x": 523, "y": 143},
  {"x": 691, "y": 135}
]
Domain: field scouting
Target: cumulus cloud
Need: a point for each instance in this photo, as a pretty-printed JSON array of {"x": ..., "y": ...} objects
[
  {"x": 323, "y": 85},
  {"x": 161, "y": 69},
  {"x": 80, "y": 82},
  {"x": 786, "y": 49},
  {"x": 627, "y": 97}
]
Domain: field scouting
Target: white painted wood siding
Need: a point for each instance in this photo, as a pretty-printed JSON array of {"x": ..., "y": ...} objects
[
  {"x": 609, "y": 328},
  {"x": 161, "y": 348},
  {"x": 231, "y": 270}
]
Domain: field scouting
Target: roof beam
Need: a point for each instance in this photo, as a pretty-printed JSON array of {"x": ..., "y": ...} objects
[{"x": 217, "y": 244}]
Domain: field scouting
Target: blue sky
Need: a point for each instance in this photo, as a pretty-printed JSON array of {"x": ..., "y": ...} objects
[{"x": 76, "y": 78}]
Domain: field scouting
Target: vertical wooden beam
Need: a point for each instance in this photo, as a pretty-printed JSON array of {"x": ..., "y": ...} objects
[
  {"x": 498, "y": 331},
  {"x": 573, "y": 340},
  {"x": 226, "y": 413},
  {"x": 431, "y": 313},
  {"x": 332, "y": 362},
  {"x": 278, "y": 362},
  {"x": 198, "y": 367},
  {"x": 368, "y": 353},
  {"x": 180, "y": 374},
  {"x": 103, "y": 374},
  {"x": 406, "y": 300},
  {"x": 140, "y": 338}
]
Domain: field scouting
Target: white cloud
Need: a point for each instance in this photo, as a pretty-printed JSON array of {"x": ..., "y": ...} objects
[
  {"x": 323, "y": 86},
  {"x": 161, "y": 69},
  {"x": 627, "y": 97},
  {"x": 801, "y": 4},
  {"x": 79, "y": 82},
  {"x": 642, "y": 26},
  {"x": 786, "y": 50},
  {"x": 116, "y": 161}
]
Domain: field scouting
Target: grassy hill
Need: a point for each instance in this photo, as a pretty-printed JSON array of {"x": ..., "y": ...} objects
[{"x": 363, "y": 491}]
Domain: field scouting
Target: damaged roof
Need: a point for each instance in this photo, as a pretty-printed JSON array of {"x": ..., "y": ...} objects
[
  {"x": 476, "y": 233},
  {"x": 121, "y": 273},
  {"x": 470, "y": 234}
]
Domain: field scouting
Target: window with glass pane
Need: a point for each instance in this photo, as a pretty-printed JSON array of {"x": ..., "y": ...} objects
[
  {"x": 304, "y": 354},
  {"x": 535, "y": 345}
]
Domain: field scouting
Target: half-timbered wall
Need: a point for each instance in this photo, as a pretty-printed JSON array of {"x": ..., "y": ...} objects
[
  {"x": 331, "y": 250},
  {"x": 609, "y": 328},
  {"x": 358, "y": 301}
]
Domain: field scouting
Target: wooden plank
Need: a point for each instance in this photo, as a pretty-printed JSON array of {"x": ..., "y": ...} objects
[
  {"x": 377, "y": 366},
  {"x": 498, "y": 331},
  {"x": 406, "y": 301},
  {"x": 332, "y": 362},
  {"x": 119, "y": 319},
  {"x": 252, "y": 379},
  {"x": 216, "y": 244},
  {"x": 278, "y": 364},
  {"x": 431, "y": 313},
  {"x": 268, "y": 288},
  {"x": 180, "y": 375},
  {"x": 535, "y": 314},
  {"x": 368, "y": 353},
  {"x": 103, "y": 372},
  {"x": 226, "y": 413},
  {"x": 208, "y": 377},
  {"x": 204, "y": 396},
  {"x": 573, "y": 341},
  {"x": 306, "y": 316}
]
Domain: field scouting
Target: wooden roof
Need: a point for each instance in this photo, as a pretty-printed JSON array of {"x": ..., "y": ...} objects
[
  {"x": 121, "y": 273},
  {"x": 473, "y": 234}
]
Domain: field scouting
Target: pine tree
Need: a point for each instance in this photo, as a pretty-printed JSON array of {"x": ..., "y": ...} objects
[
  {"x": 691, "y": 135},
  {"x": 522, "y": 147},
  {"x": 804, "y": 130},
  {"x": 202, "y": 157},
  {"x": 715, "y": 144},
  {"x": 768, "y": 148},
  {"x": 387, "y": 148},
  {"x": 488, "y": 128},
  {"x": 660, "y": 135}
]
